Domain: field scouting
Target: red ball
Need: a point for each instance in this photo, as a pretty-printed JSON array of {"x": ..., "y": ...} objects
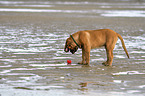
[{"x": 68, "y": 61}]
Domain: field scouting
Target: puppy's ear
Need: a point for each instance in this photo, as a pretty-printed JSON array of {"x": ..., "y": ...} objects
[{"x": 76, "y": 48}]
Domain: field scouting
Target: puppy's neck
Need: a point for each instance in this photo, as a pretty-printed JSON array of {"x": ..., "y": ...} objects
[{"x": 75, "y": 38}]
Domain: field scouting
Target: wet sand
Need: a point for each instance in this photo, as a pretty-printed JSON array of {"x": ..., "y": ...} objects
[{"x": 33, "y": 61}]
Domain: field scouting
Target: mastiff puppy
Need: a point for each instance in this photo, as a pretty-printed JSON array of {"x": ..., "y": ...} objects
[{"x": 90, "y": 39}]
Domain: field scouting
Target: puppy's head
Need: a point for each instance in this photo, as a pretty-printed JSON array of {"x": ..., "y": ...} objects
[{"x": 70, "y": 46}]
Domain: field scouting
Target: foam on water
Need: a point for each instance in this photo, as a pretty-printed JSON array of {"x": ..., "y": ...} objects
[
  {"x": 127, "y": 13},
  {"x": 113, "y": 13},
  {"x": 43, "y": 10},
  {"x": 129, "y": 73}
]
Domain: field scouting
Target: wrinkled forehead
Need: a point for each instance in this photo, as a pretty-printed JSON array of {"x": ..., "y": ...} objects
[{"x": 68, "y": 41}]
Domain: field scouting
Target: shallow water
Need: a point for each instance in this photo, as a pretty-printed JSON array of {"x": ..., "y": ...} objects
[{"x": 32, "y": 38}]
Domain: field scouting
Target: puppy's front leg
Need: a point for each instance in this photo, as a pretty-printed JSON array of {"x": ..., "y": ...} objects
[
  {"x": 87, "y": 54},
  {"x": 83, "y": 57}
]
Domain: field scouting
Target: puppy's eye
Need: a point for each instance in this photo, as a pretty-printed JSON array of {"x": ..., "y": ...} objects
[{"x": 69, "y": 46}]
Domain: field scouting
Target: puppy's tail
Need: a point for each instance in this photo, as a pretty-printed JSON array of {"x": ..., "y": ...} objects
[{"x": 123, "y": 45}]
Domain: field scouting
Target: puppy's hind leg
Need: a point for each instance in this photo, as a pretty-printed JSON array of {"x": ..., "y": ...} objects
[
  {"x": 109, "y": 57},
  {"x": 109, "y": 51}
]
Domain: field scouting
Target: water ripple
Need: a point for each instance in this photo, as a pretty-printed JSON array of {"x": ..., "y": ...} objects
[{"x": 32, "y": 39}]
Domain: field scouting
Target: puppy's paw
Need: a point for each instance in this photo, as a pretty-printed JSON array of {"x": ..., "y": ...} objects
[
  {"x": 80, "y": 63},
  {"x": 105, "y": 63}
]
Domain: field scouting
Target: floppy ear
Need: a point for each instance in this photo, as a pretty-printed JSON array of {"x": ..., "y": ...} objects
[{"x": 76, "y": 48}]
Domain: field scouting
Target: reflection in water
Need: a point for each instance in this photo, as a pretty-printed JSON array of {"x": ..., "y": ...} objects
[{"x": 83, "y": 86}]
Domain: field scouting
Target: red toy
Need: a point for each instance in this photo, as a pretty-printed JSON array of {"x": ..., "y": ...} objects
[{"x": 68, "y": 61}]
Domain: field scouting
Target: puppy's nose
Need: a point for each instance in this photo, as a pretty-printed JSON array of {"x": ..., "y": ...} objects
[{"x": 66, "y": 49}]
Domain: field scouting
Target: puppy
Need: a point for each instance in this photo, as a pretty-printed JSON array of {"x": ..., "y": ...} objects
[{"x": 90, "y": 39}]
